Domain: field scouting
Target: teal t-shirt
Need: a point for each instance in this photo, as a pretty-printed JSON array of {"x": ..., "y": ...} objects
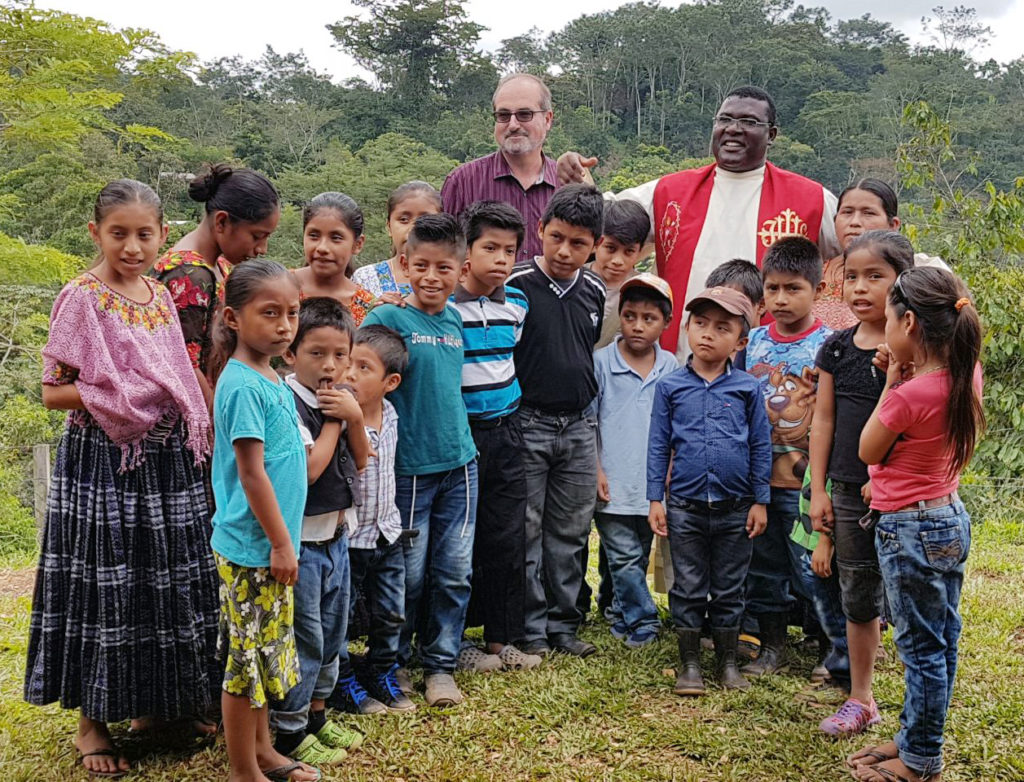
[
  {"x": 248, "y": 405},
  {"x": 433, "y": 428}
]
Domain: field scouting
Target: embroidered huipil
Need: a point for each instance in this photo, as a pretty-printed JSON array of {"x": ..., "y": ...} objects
[{"x": 127, "y": 361}]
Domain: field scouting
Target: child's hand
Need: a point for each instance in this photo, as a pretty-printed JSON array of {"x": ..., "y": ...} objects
[
  {"x": 895, "y": 372},
  {"x": 757, "y": 520},
  {"x": 284, "y": 566},
  {"x": 340, "y": 405},
  {"x": 656, "y": 518},
  {"x": 603, "y": 491},
  {"x": 391, "y": 297},
  {"x": 865, "y": 493},
  {"x": 822, "y": 519},
  {"x": 821, "y": 557}
]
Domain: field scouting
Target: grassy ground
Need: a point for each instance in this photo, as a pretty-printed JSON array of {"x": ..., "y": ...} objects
[{"x": 610, "y": 717}]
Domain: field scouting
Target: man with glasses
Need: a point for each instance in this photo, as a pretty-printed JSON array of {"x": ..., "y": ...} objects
[
  {"x": 736, "y": 207},
  {"x": 519, "y": 173}
]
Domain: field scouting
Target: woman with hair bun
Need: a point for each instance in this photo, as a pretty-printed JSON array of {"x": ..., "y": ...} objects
[{"x": 242, "y": 211}]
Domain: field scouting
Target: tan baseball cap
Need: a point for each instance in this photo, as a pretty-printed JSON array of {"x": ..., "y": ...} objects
[
  {"x": 729, "y": 299},
  {"x": 648, "y": 280}
]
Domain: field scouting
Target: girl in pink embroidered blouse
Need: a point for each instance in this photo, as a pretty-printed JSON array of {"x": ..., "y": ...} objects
[
  {"x": 124, "y": 615},
  {"x": 242, "y": 211},
  {"x": 332, "y": 235}
]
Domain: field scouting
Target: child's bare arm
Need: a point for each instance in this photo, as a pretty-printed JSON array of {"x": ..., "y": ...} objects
[
  {"x": 323, "y": 449},
  {"x": 821, "y": 436},
  {"x": 284, "y": 566},
  {"x": 63, "y": 397}
]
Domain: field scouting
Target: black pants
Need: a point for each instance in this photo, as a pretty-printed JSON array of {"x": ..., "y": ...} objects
[{"x": 499, "y": 548}]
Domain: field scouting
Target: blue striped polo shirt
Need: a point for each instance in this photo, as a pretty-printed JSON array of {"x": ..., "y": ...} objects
[{"x": 492, "y": 326}]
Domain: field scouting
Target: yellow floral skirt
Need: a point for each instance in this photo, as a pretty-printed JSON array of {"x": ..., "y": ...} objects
[{"x": 257, "y": 617}]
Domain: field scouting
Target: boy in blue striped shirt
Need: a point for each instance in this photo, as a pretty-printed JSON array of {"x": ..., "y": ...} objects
[{"x": 492, "y": 319}]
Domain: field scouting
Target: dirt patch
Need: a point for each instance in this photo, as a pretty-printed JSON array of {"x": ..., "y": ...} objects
[{"x": 17, "y": 583}]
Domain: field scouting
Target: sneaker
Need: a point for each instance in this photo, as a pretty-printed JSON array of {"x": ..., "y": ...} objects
[
  {"x": 852, "y": 717},
  {"x": 642, "y": 636},
  {"x": 441, "y": 690},
  {"x": 387, "y": 690},
  {"x": 619, "y": 630},
  {"x": 351, "y": 697},
  {"x": 313, "y": 753},
  {"x": 749, "y": 647},
  {"x": 473, "y": 658},
  {"x": 514, "y": 660},
  {"x": 335, "y": 736}
]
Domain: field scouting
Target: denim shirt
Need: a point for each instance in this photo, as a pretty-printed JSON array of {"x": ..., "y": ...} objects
[{"x": 718, "y": 433}]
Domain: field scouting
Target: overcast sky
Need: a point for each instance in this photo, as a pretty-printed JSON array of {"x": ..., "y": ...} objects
[{"x": 229, "y": 27}]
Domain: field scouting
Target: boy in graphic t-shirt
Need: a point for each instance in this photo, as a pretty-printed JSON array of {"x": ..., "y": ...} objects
[
  {"x": 435, "y": 464},
  {"x": 781, "y": 355}
]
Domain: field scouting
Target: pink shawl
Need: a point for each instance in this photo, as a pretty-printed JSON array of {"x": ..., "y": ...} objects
[{"x": 128, "y": 362}]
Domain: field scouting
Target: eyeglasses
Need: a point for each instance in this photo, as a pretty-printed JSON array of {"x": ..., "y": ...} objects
[
  {"x": 747, "y": 123},
  {"x": 503, "y": 116}
]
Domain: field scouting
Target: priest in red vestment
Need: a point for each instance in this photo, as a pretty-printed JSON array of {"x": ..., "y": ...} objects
[{"x": 734, "y": 208}]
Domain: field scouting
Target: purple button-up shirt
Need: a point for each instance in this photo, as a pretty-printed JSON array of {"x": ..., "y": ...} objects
[{"x": 489, "y": 178}]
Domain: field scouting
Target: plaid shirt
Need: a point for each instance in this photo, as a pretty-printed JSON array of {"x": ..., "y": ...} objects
[{"x": 378, "y": 515}]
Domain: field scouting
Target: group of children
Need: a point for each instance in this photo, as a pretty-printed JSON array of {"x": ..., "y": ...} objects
[{"x": 442, "y": 439}]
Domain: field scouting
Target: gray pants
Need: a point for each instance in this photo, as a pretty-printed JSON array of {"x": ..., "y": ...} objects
[{"x": 560, "y": 457}]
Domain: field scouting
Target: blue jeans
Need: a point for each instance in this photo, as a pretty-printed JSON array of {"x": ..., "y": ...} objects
[
  {"x": 438, "y": 562},
  {"x": 321, "y": 627},
  {"x": 768, "y": 590},
  {"x": 710, "y": 556},
  {"x": 824, "y": 595},
  {"x": 379, "y": 573},
  {"x": 560, "y": 455},
  {"x": 922, "y": 555},
  {"x": 627, "y": 544}
]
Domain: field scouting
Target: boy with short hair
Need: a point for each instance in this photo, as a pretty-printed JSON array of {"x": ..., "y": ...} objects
[
  {"x": 781, "y": 356},
  {"x": 626, "y": 226},
  {"x": 331, "y": 425},
  {"x": 555, "y": 364},
  {"x": 710, "y": 417},
  {"x": 492, "y": 318},
  {"x": 435, "y": 464},
  {"x": 379, "y": 358},
  {"x": 627, "y": 371}
]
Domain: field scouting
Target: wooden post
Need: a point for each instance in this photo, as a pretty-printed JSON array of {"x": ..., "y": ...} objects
[{"x": 40, "y": 481}]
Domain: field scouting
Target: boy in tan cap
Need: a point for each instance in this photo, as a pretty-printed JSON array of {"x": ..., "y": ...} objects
[{"x": 709, "y": 422}]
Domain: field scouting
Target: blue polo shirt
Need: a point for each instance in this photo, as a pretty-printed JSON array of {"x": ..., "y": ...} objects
[
  {"x": 718, "y": 433},
  {"x": 623, "y": 407}
]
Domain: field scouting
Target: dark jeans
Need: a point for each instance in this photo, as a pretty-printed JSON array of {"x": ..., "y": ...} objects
[
  {"x": 379, "y": 574},
  {"x": 604, "y": 588},
  {"x": 627, "y": 544},
  {"x": 710, "y": 556},
  {"x": 561, "y": 483},
  {"x": 922, "y": 555},
  {"x": 767, "y": 588},
  {"x": 499, "y": 548},
  {"x": 438, "y": 562}
]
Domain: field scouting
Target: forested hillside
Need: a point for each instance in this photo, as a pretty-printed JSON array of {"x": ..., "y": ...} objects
[{"x": 83, "y": 101}]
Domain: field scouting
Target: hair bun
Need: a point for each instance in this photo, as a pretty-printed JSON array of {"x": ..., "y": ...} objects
[{"x": 204, "y": 186}]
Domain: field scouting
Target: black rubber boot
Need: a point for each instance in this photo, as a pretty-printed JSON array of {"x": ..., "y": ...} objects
[
  {"x": 725, "y": 659},
  {"x": 689, "y": 680},
  {"x": 773, "y": 645}
]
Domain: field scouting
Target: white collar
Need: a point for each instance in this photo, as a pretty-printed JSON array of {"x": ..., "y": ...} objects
[
  {"x": 305, "y": 394},
  {"x": 755, "y": 173}
]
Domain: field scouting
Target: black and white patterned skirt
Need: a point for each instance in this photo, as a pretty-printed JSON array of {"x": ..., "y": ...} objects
[{"x": 125, "y": 612}]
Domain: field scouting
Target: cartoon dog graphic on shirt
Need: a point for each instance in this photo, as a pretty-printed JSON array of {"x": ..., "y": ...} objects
[{"x": 790, "y": 407}]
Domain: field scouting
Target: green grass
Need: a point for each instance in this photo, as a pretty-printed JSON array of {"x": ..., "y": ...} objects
[{"x": 612, "y": 716}]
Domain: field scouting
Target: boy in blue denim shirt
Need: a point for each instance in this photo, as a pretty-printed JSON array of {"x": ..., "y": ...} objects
[
  {"x": 627, "y": 371},
  {"x": 711, "y": 418}
]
